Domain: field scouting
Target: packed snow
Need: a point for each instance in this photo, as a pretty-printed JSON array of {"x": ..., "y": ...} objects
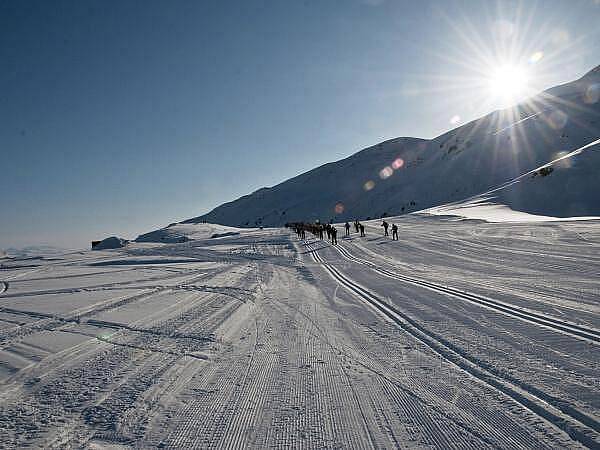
[
  {"x": 489, "y": 211},
  {"x": 462, "y": 334}
]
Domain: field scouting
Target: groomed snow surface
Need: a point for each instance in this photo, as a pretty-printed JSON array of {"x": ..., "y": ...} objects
[{"x": 462, "y": 334}]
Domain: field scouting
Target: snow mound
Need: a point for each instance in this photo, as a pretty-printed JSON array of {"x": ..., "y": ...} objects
[
  {"x": 183, "y": 232},
  {"x": 111, "y": 243},
  {"x": 492, "y": 212}
]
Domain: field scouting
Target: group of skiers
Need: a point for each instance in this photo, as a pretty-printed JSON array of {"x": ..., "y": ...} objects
[
  {"x": 316, "y": 229},
  {"x": 386, "y": 225},
  {"x": 320, "y": 230}
]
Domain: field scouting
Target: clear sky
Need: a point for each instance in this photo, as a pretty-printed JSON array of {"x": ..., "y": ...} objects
[{"x": 118, "y": 117}]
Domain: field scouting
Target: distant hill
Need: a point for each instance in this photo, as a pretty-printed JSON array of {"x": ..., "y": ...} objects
[
  {"x": 33, "y": 251},
  {"x": 407, "y": 174}
]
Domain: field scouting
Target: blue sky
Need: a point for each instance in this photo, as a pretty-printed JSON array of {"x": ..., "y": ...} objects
[{"x": 119, "y": 117}]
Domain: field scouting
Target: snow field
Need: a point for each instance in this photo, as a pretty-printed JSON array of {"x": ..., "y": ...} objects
[{"x": 260, "y": 340}]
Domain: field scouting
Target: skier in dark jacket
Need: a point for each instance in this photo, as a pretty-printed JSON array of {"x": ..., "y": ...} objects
[
  {"x": 333, "y": 235},
  {"x": 362, "y": 230},
  {"x": 394, "y": 232},
  {"x": 356, "y": 225},
  {"x": 347, "y": 226},
  {"x": 385, "y": 226}
]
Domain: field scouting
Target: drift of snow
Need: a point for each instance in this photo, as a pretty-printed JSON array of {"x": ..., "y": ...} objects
[
  {"x": 183, "y": 232},
  {"x": 493, "y": 212}
]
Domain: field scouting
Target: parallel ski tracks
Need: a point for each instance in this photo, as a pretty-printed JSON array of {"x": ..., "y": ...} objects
[
  {"x": 579, "y": 426},
  {"x": 577, "y": 331}
]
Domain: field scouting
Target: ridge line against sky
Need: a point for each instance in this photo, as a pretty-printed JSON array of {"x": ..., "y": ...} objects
[{"x": 116, "y": 119}]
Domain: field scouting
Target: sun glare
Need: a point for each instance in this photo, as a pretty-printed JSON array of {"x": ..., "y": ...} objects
[{"x": 508, "y": 83}]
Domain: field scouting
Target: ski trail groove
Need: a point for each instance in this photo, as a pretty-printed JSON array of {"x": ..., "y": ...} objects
[
  {"x": 577, "y": 425},
  {"x": 577, "y": 331}
]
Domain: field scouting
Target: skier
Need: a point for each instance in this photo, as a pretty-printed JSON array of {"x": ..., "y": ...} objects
[
  {"x": 394, "y": 232},
  {"x": 328, "y": 229},
  {"x": 347, "y": 226},
  {"x": 362, "y": 230},
  {"x": 356, "y": 225},
  {"x": 333, "y": 235},
  {"x": 385, "y": 226},
  {"x": 321, "y": 232}
]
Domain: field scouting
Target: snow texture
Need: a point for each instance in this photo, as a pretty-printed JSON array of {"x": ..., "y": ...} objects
[{"x": 461, "y": 334}]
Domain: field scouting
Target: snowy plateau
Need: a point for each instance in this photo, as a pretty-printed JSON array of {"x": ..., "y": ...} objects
[{"x": 478, "y": 328}]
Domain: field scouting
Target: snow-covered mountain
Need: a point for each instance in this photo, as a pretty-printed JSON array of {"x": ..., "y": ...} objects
[
  {"x": 573, "y": 186},
  {"x": 408, "y": 174}
]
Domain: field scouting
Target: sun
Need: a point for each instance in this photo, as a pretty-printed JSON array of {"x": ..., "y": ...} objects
[{"x": 508, "y": 83}]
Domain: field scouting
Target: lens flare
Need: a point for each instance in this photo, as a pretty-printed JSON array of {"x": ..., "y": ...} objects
[
  {"x": 398, "y": 163},
  {"x": 536, "y": 57},
  {"x": 592, "y": 94},
  {"x": 369, "y": 185},
  {"x": 557, "y": 119},
  {"x": 339, "y": 208},
  {"x": 565, "y": 163},
  {"x": 386, "y": 172},
  {"x": 561, "y": 38}
]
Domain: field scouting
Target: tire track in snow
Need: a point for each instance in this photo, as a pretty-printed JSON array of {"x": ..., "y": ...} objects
[
  {"x": 200, "y": 317},
  {"x": 49, "y": 322},
  {"x": 112, "y": 402},
  {"x": 222, "y": 396},
  {"x": 194, "y": 278},
  {"x": 577, "y": 425}
]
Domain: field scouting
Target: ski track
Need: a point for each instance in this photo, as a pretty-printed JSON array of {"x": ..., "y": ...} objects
[
  {"x": 589, "y": 334},
  {"x": 582, "y": 428},
  {"x": 262, "y": 349}
]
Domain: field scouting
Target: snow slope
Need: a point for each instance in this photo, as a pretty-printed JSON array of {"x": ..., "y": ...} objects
[
  {"x": 408, "y": 174},
  {"x": 461, "y": 334},
  {"x": 183, "y": 232},
  {"x": 568, "y": 184}
]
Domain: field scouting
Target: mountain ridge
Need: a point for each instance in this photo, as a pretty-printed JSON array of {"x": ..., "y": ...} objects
[{"x": 407, "y": 174}]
